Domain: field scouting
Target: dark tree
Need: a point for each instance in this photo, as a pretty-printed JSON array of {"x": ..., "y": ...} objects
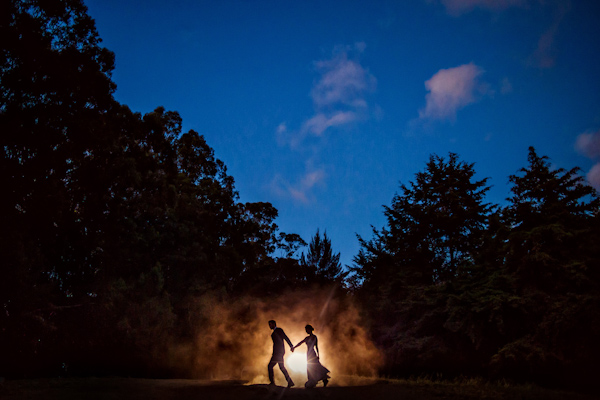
[
  {"x": 531, "y": 310},
  {"x": 552, "y": 255},
  {"x": 55, "y": 88},
  {"x": 434, "y": 232},
  {"x": 112, "y": 222},
  {"x": 553, "y": 219},
  {"x": 320, "y": 262},
  {"x": 434, "y": 228}
]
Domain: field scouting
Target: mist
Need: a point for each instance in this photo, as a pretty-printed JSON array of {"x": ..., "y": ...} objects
[{"x": 233, "y": 339}]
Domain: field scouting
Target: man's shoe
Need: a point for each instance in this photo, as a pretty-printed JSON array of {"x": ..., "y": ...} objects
[
  {"x": 290, "y": 383},
  {"x": 325, "y": 382}
]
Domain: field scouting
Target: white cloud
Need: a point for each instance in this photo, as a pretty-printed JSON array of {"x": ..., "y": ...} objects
[
  {"x": 283, "y": 135},
  {"x": 588, "y": 144},
  {"x": 282, "y": 128},
  {"x": 593, "y": 176},
  {"x": 458, "y": 7},
  {"x": 300, "y": 190},
  {"x": 544, "y": 55},
  {"x": 546, "y": 51},
  {"x": 343, "y": 82},
  {"x": 338, "y": 95},
  {"x": 452, "y": 89},
  {"x": 320, "y": 122}
]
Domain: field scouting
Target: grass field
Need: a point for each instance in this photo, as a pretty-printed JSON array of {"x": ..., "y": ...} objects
[{"x": 352, "y": 388}]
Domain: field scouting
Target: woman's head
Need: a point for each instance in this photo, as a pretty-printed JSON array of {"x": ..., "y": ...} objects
[{"x": 309, "y": 329}]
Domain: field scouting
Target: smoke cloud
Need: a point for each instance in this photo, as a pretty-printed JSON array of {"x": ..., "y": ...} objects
[{"x": 233, "y": 339}]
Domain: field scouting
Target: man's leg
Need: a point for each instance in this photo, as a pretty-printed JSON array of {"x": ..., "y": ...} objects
[
  {"x": 270, "y": 369},
  {"x": 285, "y": 373}
]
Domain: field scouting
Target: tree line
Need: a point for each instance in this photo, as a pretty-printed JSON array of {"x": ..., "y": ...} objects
[
  {"x": 113, "y": 222},
  {"x": 461, "y": 286}
]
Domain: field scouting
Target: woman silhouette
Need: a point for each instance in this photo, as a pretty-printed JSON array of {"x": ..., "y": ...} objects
[{"x": 315, "y": 371}]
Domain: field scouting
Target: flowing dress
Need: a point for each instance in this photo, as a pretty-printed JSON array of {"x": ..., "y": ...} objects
[{"x": 315, "y": 371}]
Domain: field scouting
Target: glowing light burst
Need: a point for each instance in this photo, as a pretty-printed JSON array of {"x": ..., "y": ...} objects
[{"x": 297, "y": 362}]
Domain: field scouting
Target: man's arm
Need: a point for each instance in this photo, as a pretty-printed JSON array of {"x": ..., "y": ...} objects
[{"x": 287, "y": 339}]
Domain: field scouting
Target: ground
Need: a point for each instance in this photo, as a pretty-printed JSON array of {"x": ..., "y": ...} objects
[{"x": 380, "y": 389}]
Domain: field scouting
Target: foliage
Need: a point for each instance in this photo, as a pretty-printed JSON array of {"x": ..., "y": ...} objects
[
  {"x": 553, "y": 218},
  {"x": 108, "y": 211},
  {"x": 114, "y": 224},
  {"x": 434, "y": 230},
  {"x": 320, "y": 263},
  {"x": 521, "y": 303}
]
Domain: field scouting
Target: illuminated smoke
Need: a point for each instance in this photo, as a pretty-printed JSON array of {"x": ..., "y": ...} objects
[{"x": 233, "y": 339}]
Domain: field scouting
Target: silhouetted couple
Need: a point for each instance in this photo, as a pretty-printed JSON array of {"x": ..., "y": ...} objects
[{"x": 315, "y": 371}]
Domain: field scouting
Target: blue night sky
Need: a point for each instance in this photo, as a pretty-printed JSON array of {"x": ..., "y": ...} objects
[{"x": 323, "y": 107}]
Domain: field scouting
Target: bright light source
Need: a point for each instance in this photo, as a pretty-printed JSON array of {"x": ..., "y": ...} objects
[{"x": 297, "y": 362}]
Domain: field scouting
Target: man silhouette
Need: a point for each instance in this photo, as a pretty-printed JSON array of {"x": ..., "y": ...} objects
[{"x": 278, "y": 337}]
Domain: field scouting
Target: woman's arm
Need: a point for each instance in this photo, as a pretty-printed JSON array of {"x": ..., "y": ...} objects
[{"x": 303, "y": 341}]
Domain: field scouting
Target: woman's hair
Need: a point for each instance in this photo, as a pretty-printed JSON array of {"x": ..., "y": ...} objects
[{"x": 309, "y": 328}]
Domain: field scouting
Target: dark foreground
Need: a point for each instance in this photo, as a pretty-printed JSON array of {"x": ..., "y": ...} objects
[{"x": 150, "y": 389}]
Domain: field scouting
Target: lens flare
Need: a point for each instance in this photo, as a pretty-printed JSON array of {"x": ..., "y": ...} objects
[{"x": 297, "y": 362}]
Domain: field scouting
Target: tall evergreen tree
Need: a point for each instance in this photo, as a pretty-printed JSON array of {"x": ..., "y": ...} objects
[
  {"x": 553, "y": 218},
  {"x": 552, "y": 260},
  {"x": 434, "y": 233},
  {"x": 320, "y": 262},
  {"x": 534, "y": 309},
  {"x": 434, "y": 227}
]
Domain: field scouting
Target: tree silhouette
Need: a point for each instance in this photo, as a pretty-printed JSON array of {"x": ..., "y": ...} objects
[
  {"x": 552, "y": 255},
  {"x": 552, "y": 216},
  {"x": 526, "y": 307},
  {"x": 55, "y": 89},
  {"x": 434, "y": 229},
  {"x": 410, "y": 268},
  {"x": 113, "y": 222},
  {"x": 320, "y": 263}
]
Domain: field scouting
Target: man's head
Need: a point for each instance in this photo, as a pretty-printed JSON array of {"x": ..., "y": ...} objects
[{"x": 272, "y": 324}]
